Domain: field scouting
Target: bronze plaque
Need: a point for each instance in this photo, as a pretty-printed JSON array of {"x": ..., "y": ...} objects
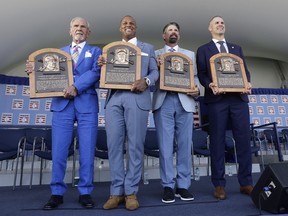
[
  {"x": 123, "y": 66},
  {"x": 52, "y": 73},
  {"x": 228, "y": 72},
  {"x": 176, "y": 73}
]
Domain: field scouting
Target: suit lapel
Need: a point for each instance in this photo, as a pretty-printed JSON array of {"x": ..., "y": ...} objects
[
  {"x": 212, "y": 47},
  {"x": 82, "y": 55},
  {"x": 67, "y": 49},
  {"x": 231, "y": 48},
  {"x": 140, "y": 44}
]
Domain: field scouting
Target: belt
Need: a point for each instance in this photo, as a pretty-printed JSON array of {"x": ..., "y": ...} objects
[{"x": 172, "y": 92}]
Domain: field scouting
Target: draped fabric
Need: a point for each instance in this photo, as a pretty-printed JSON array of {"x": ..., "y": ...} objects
[
  {"x": 25, "y": 81},
  {"x": 14, "y": 80},
  {"x": 275, "y": 91}
]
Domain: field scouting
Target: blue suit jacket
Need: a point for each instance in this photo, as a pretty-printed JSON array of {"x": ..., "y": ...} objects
[
  {"x": 204, "y": 53},
  {"x": 86, "y": 74},
  {"x": 149, "y": 69}
]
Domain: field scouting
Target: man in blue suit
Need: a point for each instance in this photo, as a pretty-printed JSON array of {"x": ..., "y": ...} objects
[
  {"x": 224, "y": 108},
  {"x": 173, "y": 116},
  {"x": 78, "y": 104},
  {"x": 127, "y": 116}
]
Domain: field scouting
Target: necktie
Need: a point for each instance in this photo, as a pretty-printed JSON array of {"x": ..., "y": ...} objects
[
  {"x": 171, "y": 49},
  {"x": 222, "y": 48},
  {"x": 75, "y": 54}
]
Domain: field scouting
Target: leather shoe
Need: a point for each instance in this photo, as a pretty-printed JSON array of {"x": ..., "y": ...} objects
[
  {"x": 53, "y": 202},
  {"x": 247, "y": 189},
  {"x": 113, "y": 202},
  {"x": 131, "y": 202},
  {"x": 86, "y": 201},
  {"x": 220, "y": 193}
]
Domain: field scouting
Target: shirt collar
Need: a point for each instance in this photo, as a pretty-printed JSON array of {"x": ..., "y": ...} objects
[
  {"x": 215, "y": 40},
  {"x": 80, "y": 46},
  {"x": 133, "y": 41},
  {"x": 176, "y": 48}
]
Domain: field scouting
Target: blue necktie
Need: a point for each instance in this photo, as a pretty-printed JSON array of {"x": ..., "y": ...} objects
[
  {"x": 171, "y": 49},
  {"x": 222, "y": 48}
]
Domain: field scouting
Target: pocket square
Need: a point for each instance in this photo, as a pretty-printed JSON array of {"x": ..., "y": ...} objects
[
  {"x": 88, "y": 54},
  {"x": 144, "y": 54}
]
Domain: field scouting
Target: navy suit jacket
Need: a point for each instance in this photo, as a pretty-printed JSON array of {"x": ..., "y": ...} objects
[
  {"x": 86, "y": 74},
  {"x": 204, "y": 53}
]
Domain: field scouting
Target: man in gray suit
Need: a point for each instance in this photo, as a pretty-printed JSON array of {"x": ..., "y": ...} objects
[
  {"x": 173, "y": 116},
  {"x": 127, "y": 115}
]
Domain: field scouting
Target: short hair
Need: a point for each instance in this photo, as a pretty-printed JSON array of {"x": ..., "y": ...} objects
[
  {"x": 76, "y": 18},
  {"x": 127, "y": 16},
  {"x": 214, "y": 18},
  {"x": 171, "y": 23}
]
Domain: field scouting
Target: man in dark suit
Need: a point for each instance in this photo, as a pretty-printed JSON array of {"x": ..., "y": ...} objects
[
  {"x": 78, "y": 104},
  {"x": 127, "y": 115},
  {"x": 223, "y": 108}
]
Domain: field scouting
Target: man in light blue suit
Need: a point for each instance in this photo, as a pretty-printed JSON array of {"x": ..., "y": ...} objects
[
  {"x": 173, "y": 117},
  {"x": 127, "y": 116},
  {"x": 78, "y": 104}
]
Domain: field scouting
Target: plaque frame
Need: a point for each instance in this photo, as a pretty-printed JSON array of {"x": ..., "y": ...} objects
[
  {"x": 236, "y": 64},
  {"x": 186, "y": 63},
  {"x": 62, "y": 69},
  {"x": 109, "y": 51}
]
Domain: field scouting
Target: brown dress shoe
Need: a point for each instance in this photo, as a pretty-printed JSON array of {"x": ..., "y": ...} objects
[
  {"x": 220, "y": 193},
  {"x": 247, "y": 189},
  {"x": 131, "y": 202},
  {"x": 113, "y": 202}
]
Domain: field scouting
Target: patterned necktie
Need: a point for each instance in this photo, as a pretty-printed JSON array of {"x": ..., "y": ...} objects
[
  {"x": 222, "y": 48},
  {"x": 171, "y": 49},
  {"x": 75, "y": 54}
]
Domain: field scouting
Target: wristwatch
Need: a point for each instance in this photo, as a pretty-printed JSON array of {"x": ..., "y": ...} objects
[{"x": 147, "y": 81}]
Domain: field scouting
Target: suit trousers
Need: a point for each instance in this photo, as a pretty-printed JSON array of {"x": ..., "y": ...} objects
[
  {"x": 172, "y": 122},
  {"x": 62, "y": 137},
  {"x": 124, "y": 120},
  {"x": 233, "y": 110}
]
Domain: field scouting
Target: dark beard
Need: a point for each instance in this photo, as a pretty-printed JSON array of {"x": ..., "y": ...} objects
[{"x": 172, "y": 40}]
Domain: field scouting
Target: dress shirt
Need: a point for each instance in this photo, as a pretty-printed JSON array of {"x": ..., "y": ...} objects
[
  {"x": 168, "y": 47},
  {"x": 80, "y": 47},
  {"x": 218, "y": 45}
]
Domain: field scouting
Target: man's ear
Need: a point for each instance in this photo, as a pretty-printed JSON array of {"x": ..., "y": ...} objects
[{"x": 163, "y": 36}]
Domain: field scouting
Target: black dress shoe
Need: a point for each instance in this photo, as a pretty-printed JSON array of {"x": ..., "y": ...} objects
[
  {"x": 53, "y": 202},
  {"x": 86, "y": 201}
]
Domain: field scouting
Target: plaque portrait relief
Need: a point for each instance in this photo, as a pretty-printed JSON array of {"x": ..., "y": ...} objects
[
  {"x": 227, "y": 65},
  {"x": 121, "y": 57},
  {"x": 177, "y": 65},
  {"x": 123, "y": 65},
  {"x": 176, "y": 73},
  {"x": 53, "y": 73},
  {"x": 50, "y": 63},
  {"x": 228, "y": 72}
]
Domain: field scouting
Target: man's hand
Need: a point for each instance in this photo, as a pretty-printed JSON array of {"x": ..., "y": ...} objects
[
  {"x": 215, "y": 89},
  {"x": 248, "y": 90},
  {"x": 139, "y": 86},
  {"x": 29, "y": 67},
  {"x": 70, "y": 92},
  {"x": 101, "y": 60},
  {"x": 160, "y": 60},
  {"x": 194, "y": 92}
]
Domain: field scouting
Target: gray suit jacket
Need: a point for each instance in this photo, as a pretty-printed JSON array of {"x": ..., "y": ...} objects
[{"x": 188, "y": 102}]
